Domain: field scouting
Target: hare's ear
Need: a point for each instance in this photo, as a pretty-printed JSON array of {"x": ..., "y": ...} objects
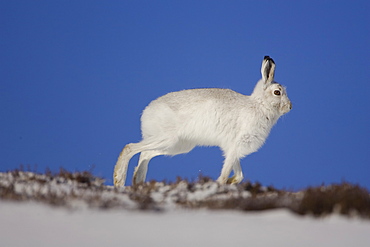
[{"x": 268, "y": 70}]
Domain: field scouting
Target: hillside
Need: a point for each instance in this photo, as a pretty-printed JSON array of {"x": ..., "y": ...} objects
[
  {"x": 83, "y": 190},
  {"x": 77, "y": 209}
]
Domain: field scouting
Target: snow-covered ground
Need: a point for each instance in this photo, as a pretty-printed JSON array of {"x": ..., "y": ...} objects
[
  {"x": 77, "y": 209},
  {"x": 35, "y": 224}
]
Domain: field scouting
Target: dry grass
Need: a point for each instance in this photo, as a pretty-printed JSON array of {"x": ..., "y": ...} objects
[{"x": 82, "y": 189}]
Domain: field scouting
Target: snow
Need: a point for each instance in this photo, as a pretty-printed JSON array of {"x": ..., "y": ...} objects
[
  {"x": 89, "y": 213},
  {"x": 35, "y": 224}
]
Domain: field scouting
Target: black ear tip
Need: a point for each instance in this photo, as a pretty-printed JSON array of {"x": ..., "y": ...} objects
[{"x": 268, "y": 58}]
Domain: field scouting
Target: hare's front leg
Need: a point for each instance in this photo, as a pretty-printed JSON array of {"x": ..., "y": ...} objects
[
  {"x": 238, "y": 174},
  {"x": 231, "y": 162}
]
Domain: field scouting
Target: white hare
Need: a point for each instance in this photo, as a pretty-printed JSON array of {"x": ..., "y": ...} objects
[{"x": 177, "y": 122}]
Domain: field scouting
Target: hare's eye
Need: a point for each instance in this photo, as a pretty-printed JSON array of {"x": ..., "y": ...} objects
[{"x": 277, "y": 92}]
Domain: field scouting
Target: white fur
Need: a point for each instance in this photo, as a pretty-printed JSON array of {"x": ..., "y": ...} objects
[{"x": 177, "y": 122}]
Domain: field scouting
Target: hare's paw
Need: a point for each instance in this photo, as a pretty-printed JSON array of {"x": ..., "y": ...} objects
[
  {"x": 234, "y": 180},
  {"x": 118, "y": 181},
  {"x": 222, "y": 180},
  {"x": 139, "y": 176}
]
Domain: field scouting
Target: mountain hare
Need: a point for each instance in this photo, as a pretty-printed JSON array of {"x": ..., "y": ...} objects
[{"x": 177, "y": 122}]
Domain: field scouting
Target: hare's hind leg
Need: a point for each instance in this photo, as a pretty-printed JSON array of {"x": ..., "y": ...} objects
[
  {"x": 142, "y": 168},
  {"x": 178, "y": 147},
  {"x": 120, "y": 170}
]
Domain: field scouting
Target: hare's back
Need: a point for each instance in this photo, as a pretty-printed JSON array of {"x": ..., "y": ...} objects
[
  {"x": 197, "y": 97},
  {"x": 192, "y": 114}
]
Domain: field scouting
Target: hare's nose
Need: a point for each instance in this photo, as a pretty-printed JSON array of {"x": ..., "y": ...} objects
[{"x": 290, "y": 105}]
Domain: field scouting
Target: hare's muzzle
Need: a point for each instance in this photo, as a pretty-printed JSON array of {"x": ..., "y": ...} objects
[{"x": 286, "y": 108}]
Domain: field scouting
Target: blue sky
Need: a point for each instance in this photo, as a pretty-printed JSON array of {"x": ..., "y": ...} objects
[{"x": 76, "y": 75}]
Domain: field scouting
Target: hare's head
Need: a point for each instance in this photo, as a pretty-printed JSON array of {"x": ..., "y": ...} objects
[{"x": 271, "y": 93}]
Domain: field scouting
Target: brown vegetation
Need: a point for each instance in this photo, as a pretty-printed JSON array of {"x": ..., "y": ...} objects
[{"x": 82, "y": 189}]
